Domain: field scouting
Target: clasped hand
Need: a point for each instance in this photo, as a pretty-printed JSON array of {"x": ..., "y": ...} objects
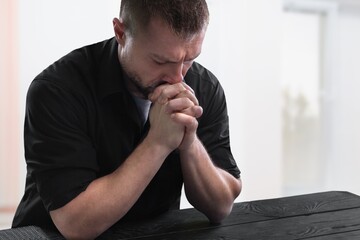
[{"x": 173, "y": 115}]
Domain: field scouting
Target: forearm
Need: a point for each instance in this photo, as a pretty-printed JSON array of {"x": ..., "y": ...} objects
[
  {"x": 108, "y": 199},
  {"x": 209, "y": 189}
]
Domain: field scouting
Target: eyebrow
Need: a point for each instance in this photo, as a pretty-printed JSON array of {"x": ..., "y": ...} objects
[{"x": 165, "y": 59}]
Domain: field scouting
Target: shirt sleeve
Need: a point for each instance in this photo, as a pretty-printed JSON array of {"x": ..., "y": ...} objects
[
  {"x": 213, "y": 128},
  {"x": 60, "y": 156}
]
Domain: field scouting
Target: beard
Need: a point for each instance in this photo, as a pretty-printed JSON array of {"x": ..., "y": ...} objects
[{"x": 136, "y": 85}]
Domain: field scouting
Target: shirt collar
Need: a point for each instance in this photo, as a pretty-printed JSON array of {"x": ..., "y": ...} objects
[{"x": 110, "y": 75}]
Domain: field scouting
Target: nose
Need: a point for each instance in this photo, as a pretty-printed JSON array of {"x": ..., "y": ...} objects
[{"x": 175, "y": 73}]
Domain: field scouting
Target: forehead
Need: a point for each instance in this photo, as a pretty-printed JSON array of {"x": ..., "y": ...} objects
[{"x": 160, "y": 39}]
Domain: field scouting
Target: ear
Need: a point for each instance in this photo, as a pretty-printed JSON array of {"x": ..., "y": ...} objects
[{"x": 119, "y": 30}]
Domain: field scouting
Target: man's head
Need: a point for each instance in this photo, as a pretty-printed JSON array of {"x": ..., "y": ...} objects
[
  {"x": 184, "y": 17},
  {"x": 159, "y": 40}
]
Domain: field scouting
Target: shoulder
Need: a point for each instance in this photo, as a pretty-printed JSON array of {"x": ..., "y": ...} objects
[
  {"x": 205, "y": 84},
  {"x": 198, "y": 72},
  {"x": 78, "y": 69},
  {"x": 69, "y": 81}
]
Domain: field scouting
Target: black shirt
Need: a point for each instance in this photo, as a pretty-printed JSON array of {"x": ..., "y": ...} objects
[{"x": 81, "y": 123}]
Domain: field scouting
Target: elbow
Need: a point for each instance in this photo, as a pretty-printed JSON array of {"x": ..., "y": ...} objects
[
  {"x": 82, "y": 237},
  {"x": 216, "y": 217},
  {"x": 237, "y": 188},
  {"x": 219, "y": 211},
  {"x": 223, "y": 210},
  {"x": 72, "y": 232},
  {"x": 71, "y": 228}
]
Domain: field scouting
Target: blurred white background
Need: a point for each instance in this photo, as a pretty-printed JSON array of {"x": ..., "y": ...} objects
[{"x": 290, "y": 70}]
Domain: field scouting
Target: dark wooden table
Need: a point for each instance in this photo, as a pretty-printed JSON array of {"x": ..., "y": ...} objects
[{"x": 327, "y": 215}]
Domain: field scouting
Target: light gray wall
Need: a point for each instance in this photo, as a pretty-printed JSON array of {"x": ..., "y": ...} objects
[{"x": 243, "y": 48}]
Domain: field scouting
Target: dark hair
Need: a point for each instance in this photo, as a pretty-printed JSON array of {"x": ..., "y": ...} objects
[{"x": 184, "y": 17}]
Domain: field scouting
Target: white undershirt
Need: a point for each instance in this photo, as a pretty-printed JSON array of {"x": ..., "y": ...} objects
[{"x": 143, "y": 106}]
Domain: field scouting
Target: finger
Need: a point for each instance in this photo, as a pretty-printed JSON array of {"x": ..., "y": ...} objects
[
  {"x": 188, "y": 87},
  {"x": 176, "y": 87},
  {"x": 156, "y": 93},
  {"x": 178, "y": 105},
  {"x": 165, "y": 92},
  {"x": 188, "y": 121},
  {"x": 184, "y": 105},
  {"x": 194, "y": 111},
  {"x": 188, "y": 94}
]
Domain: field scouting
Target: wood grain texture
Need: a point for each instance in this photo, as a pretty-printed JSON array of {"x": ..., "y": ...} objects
[
  {"x": 320, "y": 216},
  {"x": 299, "y": 227},
  {"x": 264, "y": 219}
]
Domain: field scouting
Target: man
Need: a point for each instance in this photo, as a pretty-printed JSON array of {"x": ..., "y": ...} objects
[{"x": 93, "y": 158}]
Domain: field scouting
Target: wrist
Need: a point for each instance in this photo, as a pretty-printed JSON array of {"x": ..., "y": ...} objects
[
  {"x": 190, "y": 146},
  {"x": 157, "y": 147}
]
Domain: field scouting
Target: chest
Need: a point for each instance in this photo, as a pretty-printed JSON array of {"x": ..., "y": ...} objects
[{"x": 119, "y": 131}]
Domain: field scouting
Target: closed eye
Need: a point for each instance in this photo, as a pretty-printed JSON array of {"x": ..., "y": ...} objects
[{"x": 158, "y": 62}]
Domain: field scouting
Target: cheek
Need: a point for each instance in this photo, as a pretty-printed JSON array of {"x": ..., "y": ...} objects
[
  {"x": 156, "y": 72},
  {"x": 149, "y": 73}
]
